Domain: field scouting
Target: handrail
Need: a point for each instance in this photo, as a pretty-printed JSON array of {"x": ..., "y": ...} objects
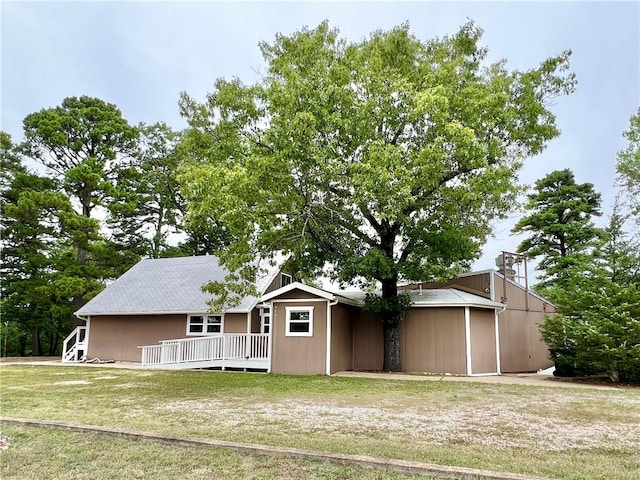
[
  {"x": 210, "y": 348},
  {"x": 79, "y": 337}
]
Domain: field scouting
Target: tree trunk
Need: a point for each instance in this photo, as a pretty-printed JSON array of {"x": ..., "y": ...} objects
[
  {"x": 391, "y": 347},
  {"x": 23, "y": 344},
  {"x": 36, "y": 349},
  {"x": 391, "y": 330},
  {"x": 78, "y": 300},
  {"x": 53, "y": 344}
]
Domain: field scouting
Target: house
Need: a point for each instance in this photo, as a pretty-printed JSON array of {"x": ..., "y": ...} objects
[
  {"x": 477, "y": 324},
  {"x": 158, "y": 300}
]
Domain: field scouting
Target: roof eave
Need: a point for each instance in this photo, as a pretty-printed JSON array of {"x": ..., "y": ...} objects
[
  {"x": 458, "y": 304},
  {"x": 181, "y": 312}
]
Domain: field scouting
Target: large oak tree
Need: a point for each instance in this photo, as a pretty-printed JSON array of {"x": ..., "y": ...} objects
[{"x": 375, "y": 161}]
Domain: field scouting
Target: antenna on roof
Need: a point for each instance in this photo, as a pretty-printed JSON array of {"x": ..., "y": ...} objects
[{"x": 508, "y": 264}]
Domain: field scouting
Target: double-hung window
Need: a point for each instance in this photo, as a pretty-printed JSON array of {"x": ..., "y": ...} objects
[
  {"x": 299, "y": 322},
  {"x": 204, "y": 324}
]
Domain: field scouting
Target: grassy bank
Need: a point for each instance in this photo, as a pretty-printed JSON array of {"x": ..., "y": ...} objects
[{"x": 37, "y": 453}]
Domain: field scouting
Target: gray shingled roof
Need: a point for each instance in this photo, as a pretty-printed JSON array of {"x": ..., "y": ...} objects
[{"x": 165, "y": 285}]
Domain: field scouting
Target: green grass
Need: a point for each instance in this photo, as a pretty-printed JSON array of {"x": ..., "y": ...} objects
[
  {"x": 555, "y": 432},
  {"x": 45, "y": 453}
]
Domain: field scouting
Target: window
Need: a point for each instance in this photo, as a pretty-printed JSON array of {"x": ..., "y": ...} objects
[
  {"x": 265, "y": 319},
  {"x": 204, "y": 324},
  {"x": 299, "y": 322},
  {"x": 285, "y": 279}
]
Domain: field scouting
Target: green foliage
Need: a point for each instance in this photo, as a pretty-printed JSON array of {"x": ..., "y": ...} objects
[
  {"x": 85, "y": 143},
  {"x": 597, "y": 329},
  {"x": 628, "y": 165},
  {"x": 149, "y": 206},
  {"x": 31, "y": 213},
  {"x": 373, "y": 161},
  {"x": 560, "y": 226},
  {"x": 81, "y": 142},
  {"x": 391, "y": 309},
  {"x": 370, "y": 156}
]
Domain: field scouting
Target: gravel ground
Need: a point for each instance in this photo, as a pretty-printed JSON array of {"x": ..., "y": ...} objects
[{"x": 518, "y": 421}]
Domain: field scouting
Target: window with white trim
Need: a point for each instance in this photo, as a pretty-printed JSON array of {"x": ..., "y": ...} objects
[
  {"x": 204, "y": 324},
  {"x": 299, "y": 322},
  {"x": 265, "y": 319},
  {"x": 285, "y": 279}
]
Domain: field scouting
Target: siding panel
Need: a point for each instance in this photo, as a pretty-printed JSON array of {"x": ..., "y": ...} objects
[
  {"x": 433, "y": 341},
  {"x": 368, "y": 343},
  {"x": 483, "y": 341},
  {"x": 118, "y": 337},
  {"x": 299, "y": 355},
  {"x": 342, "y": 337}
]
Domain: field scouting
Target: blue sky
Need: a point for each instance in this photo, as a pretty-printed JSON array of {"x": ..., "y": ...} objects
[{"x": 141, "y": 55}]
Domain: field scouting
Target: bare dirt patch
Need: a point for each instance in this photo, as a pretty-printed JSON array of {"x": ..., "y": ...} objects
[{"x": 73, "y": 382}]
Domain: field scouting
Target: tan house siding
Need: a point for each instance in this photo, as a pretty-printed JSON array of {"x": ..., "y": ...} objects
[
  {"x": 298, "y": 294},
  {"x": 235, "y": 323},
  {"x": 521, "y": 346},
  {"x": 483, "y": 341},
  {"x": 479, "y": 284},
  {"x": 299, "y": 355},
  {"x": 276, "y": 283},
  {"x": 433, "y": 340},
  {"x": 368, "y": 346},
  {"x": 342, "y": 337},
  {"x": 118, "y": 337}
]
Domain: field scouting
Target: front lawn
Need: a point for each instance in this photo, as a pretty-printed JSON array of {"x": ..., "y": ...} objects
[{"x": 555, "y": 432}]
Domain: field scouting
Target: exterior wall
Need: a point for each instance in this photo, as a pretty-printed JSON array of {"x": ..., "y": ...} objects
[
  {"x": 342, "y": 337},
  {"x": 516, "y": 298},
  {"x": 432, "y": 340},
  {"x": 299, "y": 355},
  {"x": 479, "y": 284},
  {"x": 368, "y": 343},
  {"x": 277, "y": 283},
  {"x": 483, "y": 341},
  {"x": 235, "y": 323},
  {"x": 298, "y": 294},
  {"x": 521, "y": 346},
  {"x": 118, "y": 337}
]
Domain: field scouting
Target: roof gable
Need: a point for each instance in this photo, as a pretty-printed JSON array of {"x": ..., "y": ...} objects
[{"x": 298, "y": 286}]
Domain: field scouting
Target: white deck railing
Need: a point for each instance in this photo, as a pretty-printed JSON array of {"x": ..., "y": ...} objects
[
  {"x": 74, "y": 347},
  {"x": 223, "y": 350}
]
